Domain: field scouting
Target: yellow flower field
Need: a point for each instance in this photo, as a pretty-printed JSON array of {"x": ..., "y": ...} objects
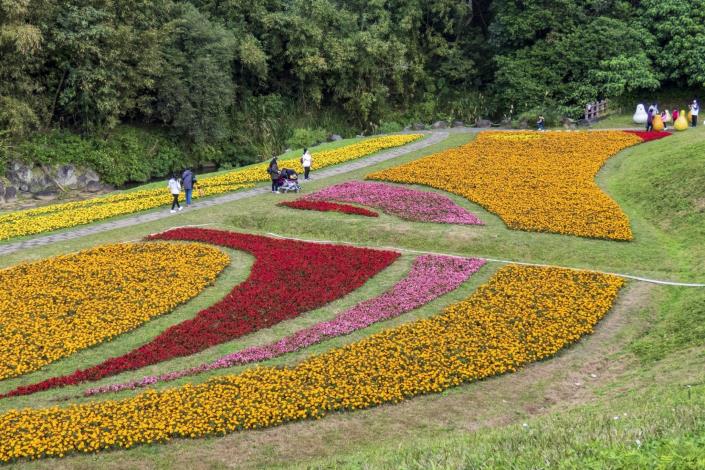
[
  {"x": 523, "y": 314},
  {"x": 542, "y": 182},
  {"x": 55, "y": 307},
  {"x": 58, "y": 216}
]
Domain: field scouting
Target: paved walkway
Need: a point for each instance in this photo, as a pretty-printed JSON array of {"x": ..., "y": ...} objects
[{"x": 434, "y": 138}]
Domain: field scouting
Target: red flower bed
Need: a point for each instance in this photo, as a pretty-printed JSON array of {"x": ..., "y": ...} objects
[
  {"x": 647, "y": 136},
  {"x": 288, "y": 278},
  {"x": 324, "y": 206}
]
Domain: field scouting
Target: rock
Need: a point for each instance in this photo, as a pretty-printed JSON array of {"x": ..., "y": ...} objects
[
  {"x": 334, "y": 138},
  {"x": 10, "y": 193},
  {"x": 483, "y": 123},
  {"x": 568, "y": 123},
  {"x": 418, "y": 127},
  {"x": 439, "y": 125},
  {"x": 523, "y": 124},
  {"x": 94, "y": 187},
  {"x": 458, "y": 123},
  {"x": 66, "y": 176},
  {"x": 407, "y": 128},
  {"x": 46, "y": 195}
]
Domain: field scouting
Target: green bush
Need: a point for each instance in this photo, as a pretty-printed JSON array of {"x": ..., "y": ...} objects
[
  {"x": 552, "y": 117},
  {"x": 306, "y": 137},
  {"x": 389, "y": 127},
  {"x": 128, "y": 154}
]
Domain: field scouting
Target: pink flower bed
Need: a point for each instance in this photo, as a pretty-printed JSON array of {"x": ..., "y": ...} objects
[
  {"x": 430, "y": 277},
  {"x": 405, "y": 203}
]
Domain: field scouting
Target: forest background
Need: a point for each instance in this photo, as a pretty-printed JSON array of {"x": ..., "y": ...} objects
[{"x": 138, "y": 88}]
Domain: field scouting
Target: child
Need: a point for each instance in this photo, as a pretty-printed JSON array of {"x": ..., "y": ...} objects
[
  {"x": 541, "y": 124},
  {"x": 175, "y": 188},
  {"x": 694, "y": 111}
]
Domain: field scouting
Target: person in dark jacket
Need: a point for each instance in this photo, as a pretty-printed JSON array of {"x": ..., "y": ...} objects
[
  {"x": 188, "y": 179},
  {"x": 273, "y": 171}
]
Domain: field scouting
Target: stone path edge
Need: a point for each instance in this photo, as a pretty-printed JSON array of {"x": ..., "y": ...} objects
[{"x": 100, "y": 227}]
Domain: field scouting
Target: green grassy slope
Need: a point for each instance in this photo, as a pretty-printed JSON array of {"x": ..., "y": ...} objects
[{"x": 644, "y": 404}]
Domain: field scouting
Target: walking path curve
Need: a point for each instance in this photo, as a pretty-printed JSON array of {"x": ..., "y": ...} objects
[
  {"x": 129, "y": 221},
  {"x": 494, "y": 260}
]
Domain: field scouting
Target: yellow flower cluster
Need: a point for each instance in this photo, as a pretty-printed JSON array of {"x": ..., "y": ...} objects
[
  {"x": 542, "y": 182},
  {"x": 522, "y": 314},
  {"x": 320, "y": 159},
  {"x": 70, "y": 214},
  {"x": 55, "y": 307},
  {"x": 58, "y": 216}
]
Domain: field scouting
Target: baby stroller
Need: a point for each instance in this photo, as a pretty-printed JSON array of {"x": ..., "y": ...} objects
[{"x": 288, "y": 181}]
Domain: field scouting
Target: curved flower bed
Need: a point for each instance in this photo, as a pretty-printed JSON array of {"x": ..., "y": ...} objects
[
  {"x": 648, "y": 136},
  {"x": 288, "y": 278},
  {"x": 430, "y": 277},
  {"x": 57, "y": 216},
  {"x": 541, "y": 182},
  {"x": 52, "y": 308},
  {"x": 71, "y": 214},
  {"x": 405, "y": 203},
  {"x": 523, "y": 314},
  {"x": 324, "y": 206}
]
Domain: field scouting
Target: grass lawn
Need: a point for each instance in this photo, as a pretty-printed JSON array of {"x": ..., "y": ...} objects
[{"x": 629, "y": 395}]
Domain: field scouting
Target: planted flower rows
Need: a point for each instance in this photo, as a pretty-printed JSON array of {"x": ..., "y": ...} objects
[
  {"x": 430, "y": 277},
  {"x": 523, "y": 314},
  {"x": 287, "y": 279},
  {"x": 541, "y": 182},
  {"x": 55, "y": 307},
  {"x": 325, "y": 206},
  {"x": 405, "y": 203},
  {"x": 58, "y": 216}
]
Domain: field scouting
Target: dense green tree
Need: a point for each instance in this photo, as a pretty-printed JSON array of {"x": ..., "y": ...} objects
[
  {"x": 679, "y": 28},
  {"x": 232, "y": 79}
]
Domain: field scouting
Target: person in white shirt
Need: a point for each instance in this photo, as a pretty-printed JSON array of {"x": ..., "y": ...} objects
[
  {"x": 175, "y": 189},
  {"x": 306, "y": 160},
  {"x": 694, "y": 111}
]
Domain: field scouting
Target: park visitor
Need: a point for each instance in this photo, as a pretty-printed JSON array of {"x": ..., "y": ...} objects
[
  {"x": 175, "y": 189},
  {"x": 674, "y": 115},
  {"x": 650, "y": 119},
  {"x": 694, "y": 111},
  {"x": 273, "y": 171},
  {"x": 188, "y": 179},
  {"x": 541, "y": 123},
  {"x": 306, "y": 160}
]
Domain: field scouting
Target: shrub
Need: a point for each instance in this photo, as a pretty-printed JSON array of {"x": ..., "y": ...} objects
[
  {"x": 306, "y": 137},
  {"x": 128, "y": 154},
  {"x": 389, "y": 127}
]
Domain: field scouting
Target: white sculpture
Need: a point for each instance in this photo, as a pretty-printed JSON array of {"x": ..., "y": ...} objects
[{"x": 640, "y": 116}]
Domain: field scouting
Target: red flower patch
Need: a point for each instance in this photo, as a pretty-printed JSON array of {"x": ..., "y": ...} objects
[
  {"x": 648, "y": 136},
  {"x": 288, "y": 278},
  {"x": 324, "y": 206}
]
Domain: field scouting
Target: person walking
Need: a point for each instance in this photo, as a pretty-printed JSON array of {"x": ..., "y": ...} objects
[
  {"x": 306, "y": 160},
  {"x": 694, "y": 111},
  {"x": 650, "y": 120},
  {"x": 188, "y": 179},
  {"x": 174, "y": 189},
  {"x": 541, "y": 123},
  {"x": 273, "y": 171}
]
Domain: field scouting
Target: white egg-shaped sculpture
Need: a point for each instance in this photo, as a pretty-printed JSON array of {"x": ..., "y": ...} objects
[{"x": 640, "y": 116}]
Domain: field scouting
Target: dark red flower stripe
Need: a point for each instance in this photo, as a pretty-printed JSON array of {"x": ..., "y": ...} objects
[
  {"x": 648, "y": 136},
  {"x": 324, "y": 206},
  {"x": 288, "y": 278}
]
